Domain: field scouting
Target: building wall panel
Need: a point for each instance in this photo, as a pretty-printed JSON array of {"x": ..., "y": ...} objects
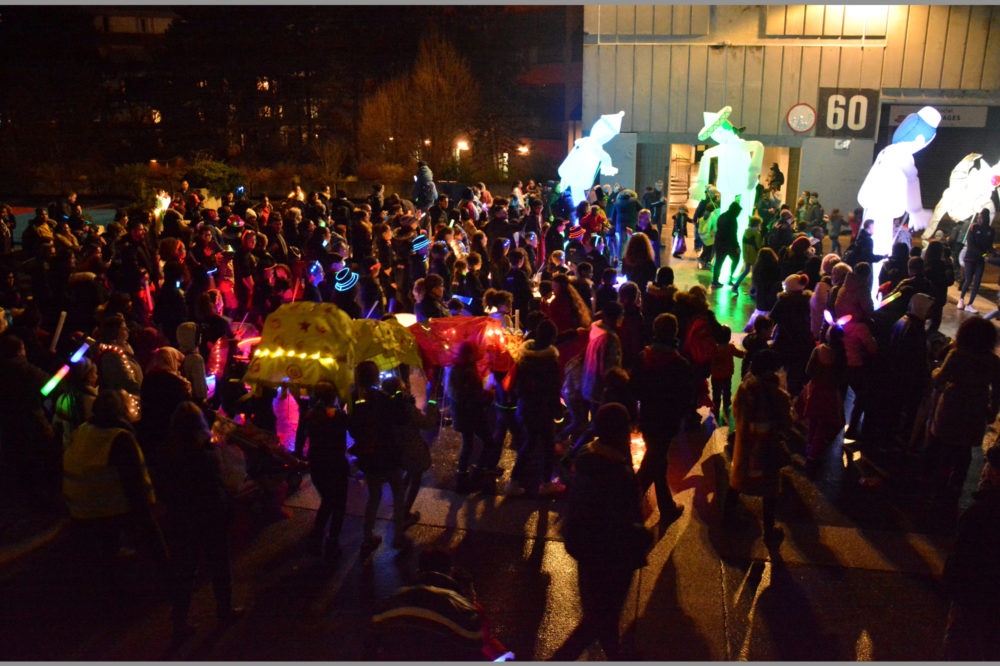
[
  {"x": 624, "y": 84},
  {"x": 775, "y": 22},
  {"x": 876, "y": 20},
  {"x": 644, "y": 19},
  {"x": 954, "y": 47},
  {"x": 975, "y": 47},
  {"x": 608, "y": 19},
  {"x": 791, "y": 72},
  {"x": 715, "y": 90},
  {"x": 814, "y": 21},
  {"x": 680, "y": 58},
  {"x": 644, "y": 91},
  {"x": 606, "y": 92},
  {"x": 937, "y": 27},
  {"x": 913, "y": 60},
  {"x": 809, "y": 80},
  {"x": 833, "y": 20},
  {"x": 700, "y": 19},
  {"x": 871, "y": 67},
  {"x": 660, "y": 99},
  {"x": 991, "y": 65},
  {"x": 681, "y": 23},
  {"x": 735, "y": 77},
  {"x": 753, "y": 68},
  {"x": 854, "y": 20},
  {"x": 697, "y": 76},
  {"x": 591, "y": 14},
  {"x": 662, "y": 17},
  {"x": 771, "y": 93},
  {"x": 850, "y": 68},
  {"x": 626, "y": 19},
  {"x": 892, "y": 60},
  {"x": 794, "y": 19}
]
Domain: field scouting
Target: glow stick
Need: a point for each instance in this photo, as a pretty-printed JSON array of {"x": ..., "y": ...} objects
[
  {"x": 56, "y": 378},
  {"x": 59, "y": 328},
  {"x": 243, "y": 321},
  {"x": 248, "y": 342},
  {"x": 78, "y": 354}
]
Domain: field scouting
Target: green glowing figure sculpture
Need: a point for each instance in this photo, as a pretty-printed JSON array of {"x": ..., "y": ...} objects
[{"x": 739, "y": 165}]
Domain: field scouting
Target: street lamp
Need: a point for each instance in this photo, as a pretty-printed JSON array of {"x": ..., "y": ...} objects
[{"x": 523, "y": 150}]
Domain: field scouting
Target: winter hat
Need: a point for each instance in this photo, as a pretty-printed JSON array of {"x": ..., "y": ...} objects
[
  {"x": 920, "y": 305},
  {"x": 613, "y": 427},
  {"x": 796, "y": 282},
  {"x": 801, "y": 244},
  {"x": 187, "y": 336}
]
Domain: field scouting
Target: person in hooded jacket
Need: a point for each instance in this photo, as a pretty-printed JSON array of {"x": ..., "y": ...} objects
[
  {"x": 470, "y": 404},
  {"x": 763, "y": 415},
  {"x": 198, "y": 515},
  {"x": 663, "y": 383},
  {"x": 727, "y": 245},
  {"x": 658, "y": 298},
  {"x": 410, "y": 424},
  {"x": 325, "y": 427},
  {"x": 793, "y": 340},
  {"x": 537, "y": 384},
  {"x": 968, "y": 399},
  {"x": 604, "y": 533},
  {"x": 604, "y": 351},
  {"x": 377, "y": 451}
]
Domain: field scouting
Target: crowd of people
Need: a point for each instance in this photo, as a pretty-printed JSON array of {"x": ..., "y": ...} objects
[{"x": 612, "y": 347}]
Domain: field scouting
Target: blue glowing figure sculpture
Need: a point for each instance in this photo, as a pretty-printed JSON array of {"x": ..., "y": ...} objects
[
  {"x": 579, "y": 169},
  {"x": 892, "y": 186},
  {"x": 739, "y": 165}
]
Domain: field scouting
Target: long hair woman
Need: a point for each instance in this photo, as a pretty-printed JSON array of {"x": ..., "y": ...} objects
[{"x": 637, "y": 263}]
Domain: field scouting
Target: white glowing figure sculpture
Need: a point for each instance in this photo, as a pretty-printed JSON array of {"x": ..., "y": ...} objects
[
  {"x": 739, "y": 164},
  {"x": 971, "y": 188},
  {"x": 892, "y": 186},
  {"x": 578, "y": 170}
]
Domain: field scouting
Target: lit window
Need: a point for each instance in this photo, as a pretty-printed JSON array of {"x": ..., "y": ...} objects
[{"x": 156, "y": 116}]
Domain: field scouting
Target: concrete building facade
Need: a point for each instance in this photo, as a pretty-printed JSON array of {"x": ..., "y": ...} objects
[{"x": 822, "y": 86}]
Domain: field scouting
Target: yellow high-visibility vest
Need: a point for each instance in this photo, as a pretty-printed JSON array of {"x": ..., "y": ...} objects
[{"x": 92, "y": 487}]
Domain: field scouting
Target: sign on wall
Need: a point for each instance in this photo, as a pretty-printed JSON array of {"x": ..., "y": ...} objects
[
  {"x": 951, "y": 116},
  {"x": 847, "y": 112}
]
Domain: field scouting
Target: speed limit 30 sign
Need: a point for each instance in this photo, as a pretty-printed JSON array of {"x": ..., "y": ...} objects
[{"x": 847, "y": 112}]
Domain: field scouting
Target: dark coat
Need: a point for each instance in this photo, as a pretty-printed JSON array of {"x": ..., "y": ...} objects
[
  {"x": 726, "y": 238},
  {"x": 603, "y": 526}
]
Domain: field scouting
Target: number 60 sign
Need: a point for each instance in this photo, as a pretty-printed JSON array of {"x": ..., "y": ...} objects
[{"x": 847, "y": 112}]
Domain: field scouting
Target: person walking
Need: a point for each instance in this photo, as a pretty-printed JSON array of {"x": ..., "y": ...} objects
[
  {"x": 763, "y": 415},
  {"x": 978, "y": 245},
  {"x": 663, "y": 382},
  {"x": 198, "y": 516},
  {"x": 604, "y": 533},
  {"x": 325, "y": 426},
  {"x": 537, "y": 384}
]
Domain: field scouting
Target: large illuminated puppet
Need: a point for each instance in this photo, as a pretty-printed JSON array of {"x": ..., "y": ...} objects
[
  {"x": 973, "y": 186},
  {"x": 739, "y": 165},
  {"x": 578, "y": 170},
  {"x": 892, "y": 186}
]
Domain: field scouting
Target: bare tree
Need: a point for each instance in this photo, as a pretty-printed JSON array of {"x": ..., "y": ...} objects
[{"x": 423, "y": 113}]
